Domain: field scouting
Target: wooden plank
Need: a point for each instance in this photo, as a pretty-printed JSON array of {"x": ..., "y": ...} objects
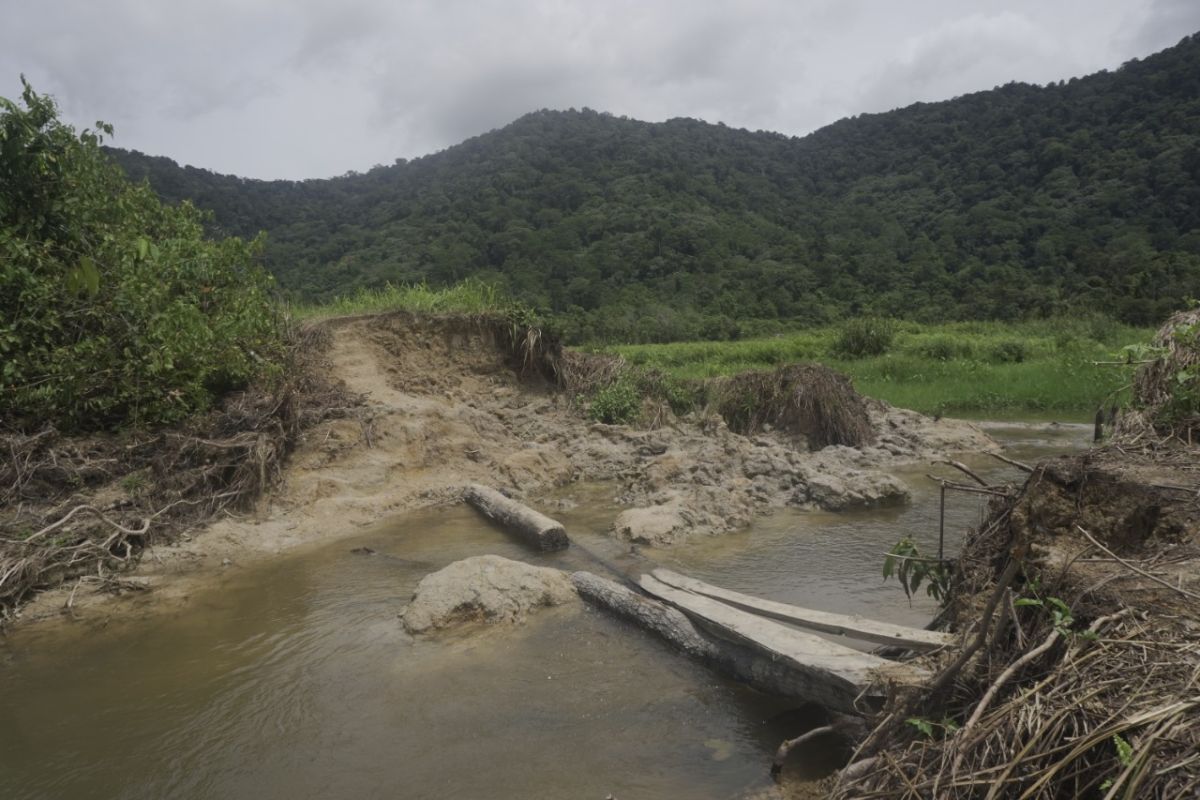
[
  {"x": 849, "y": 625},
  {"x": 750, "y": 665},
  {"x": 535, "y": 527},
  {"x": 836, "y": 674}
]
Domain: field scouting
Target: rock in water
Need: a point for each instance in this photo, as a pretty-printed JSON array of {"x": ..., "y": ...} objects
[
  {"x": 484, "y": 589},
  {"x": 653, "y": 525},
  {"x": 850, "y": 489}
]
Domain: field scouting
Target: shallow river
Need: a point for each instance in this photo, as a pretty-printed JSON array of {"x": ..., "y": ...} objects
[{"x": 293, "y": 678}]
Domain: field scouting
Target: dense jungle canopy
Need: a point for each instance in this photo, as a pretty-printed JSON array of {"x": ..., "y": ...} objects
[{"x": 1019, "y": 201}]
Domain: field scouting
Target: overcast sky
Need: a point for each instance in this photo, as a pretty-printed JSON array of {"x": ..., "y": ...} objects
[{"x": 313, "y": 88}]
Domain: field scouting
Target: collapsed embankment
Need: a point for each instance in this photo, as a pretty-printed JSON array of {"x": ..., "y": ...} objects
[
  {"x": 1079, "y": 605},
  {"x": 394, "y": 412}
]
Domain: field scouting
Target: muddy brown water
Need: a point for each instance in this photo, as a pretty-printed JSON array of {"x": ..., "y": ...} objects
[{"x": 294, "y": 679}]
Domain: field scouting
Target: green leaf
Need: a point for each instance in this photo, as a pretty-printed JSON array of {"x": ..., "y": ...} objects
[
  {"x": 1028, "y": 601},
  {"x": 921, "y": 724},
  {"x": 90, "y": 275},
  {"x": 1060, "y": 606},
  {"x": 1124, "y": 750}
]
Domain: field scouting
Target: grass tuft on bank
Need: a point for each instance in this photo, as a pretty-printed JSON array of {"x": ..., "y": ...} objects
[{"x": 472, "y": 297}]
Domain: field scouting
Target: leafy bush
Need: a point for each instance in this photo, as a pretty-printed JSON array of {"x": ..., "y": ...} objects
[
  {"x": 943, "y": 348},
  {"x": 113, "y": 307},
  {"x": 682, "y": 396},
  {"x": 1069, "y": 343},
  {"x": 864, "y": 336},
  {"x": 1009, "y": 352},
  {"x": 616, "y": 404}
]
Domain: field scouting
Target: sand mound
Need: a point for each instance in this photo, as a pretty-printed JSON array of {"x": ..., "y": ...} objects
[{"x": 484, "y": 589}]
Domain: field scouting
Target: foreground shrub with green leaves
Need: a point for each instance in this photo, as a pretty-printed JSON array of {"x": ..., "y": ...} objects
[
  {"x": 616, "y": 404},
  {"x": 114, "y": 308}
]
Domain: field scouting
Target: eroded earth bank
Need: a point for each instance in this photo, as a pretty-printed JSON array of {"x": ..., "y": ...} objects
[{"x": 443, "y": 404}]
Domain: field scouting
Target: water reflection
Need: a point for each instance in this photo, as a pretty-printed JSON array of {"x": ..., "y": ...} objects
[{"x": 294, "y": 679}]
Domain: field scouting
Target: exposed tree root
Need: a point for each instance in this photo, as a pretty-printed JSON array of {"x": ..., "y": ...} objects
[
  {"x": 1088, "y": 685},
  {"x": 85, "y": 508}
]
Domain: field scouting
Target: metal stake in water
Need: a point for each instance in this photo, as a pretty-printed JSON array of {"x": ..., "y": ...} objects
[{"x": 942, "y": 523}]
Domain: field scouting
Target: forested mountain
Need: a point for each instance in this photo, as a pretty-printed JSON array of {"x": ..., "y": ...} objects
[{"x": 1022, "y": 200}]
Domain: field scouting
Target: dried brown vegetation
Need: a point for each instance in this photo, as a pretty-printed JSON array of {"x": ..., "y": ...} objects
[
  {"x": 1166, "y": 389},
  {"x": 1082, "y": 590},
  {"x": 808, "y": 400},
  {"x": 586, "y": 373}
]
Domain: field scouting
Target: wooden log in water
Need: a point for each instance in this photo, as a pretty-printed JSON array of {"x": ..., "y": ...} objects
[
  {"x": 823, "y": 671},
  {"x": 763, "y": 672},
  {"x": 849, "y": 625},
  {"x": 533, "y": 526},
  {"x": 646, "y": 613}
]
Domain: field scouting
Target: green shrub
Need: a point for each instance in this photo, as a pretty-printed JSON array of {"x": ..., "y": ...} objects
[
  {"x": 113, "y": 307},
  {"x": 682, "y": 396},
  {"x": 616, "y": 404},
  {"x": 1103, "y": 329},
  {"x": 1067, "y": 342},
  {"x": 864, "y": 336},
  {"x": 944, "y": 348},
  {"x": 1009, "y": 352}
]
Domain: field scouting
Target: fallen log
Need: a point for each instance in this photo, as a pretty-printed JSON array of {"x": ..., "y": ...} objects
[
  {"x": 651, "y": 615},
  {"x": 533, "y": 526},
  {"x": 767, "y": 674},
  {"x": 829, "y": 673},
  {"x": 849, "y": 625}
]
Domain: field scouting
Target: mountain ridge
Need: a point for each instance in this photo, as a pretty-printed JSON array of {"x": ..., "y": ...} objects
[{"x": 1015, "y": 201}]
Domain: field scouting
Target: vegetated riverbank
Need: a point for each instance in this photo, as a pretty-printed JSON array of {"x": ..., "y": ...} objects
[
  {"x": 1079, "y": 676},
  {"x": 1032, "y": 370},
  {"x": 1078, "y": 601},
  {"x": 424, "y": 405}
]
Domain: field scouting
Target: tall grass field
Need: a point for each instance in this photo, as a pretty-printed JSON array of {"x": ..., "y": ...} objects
[{"x": 1042, "y": 369}]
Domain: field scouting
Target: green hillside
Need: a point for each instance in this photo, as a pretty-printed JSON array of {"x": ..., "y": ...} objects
[{"x": 1015, "y": 202}]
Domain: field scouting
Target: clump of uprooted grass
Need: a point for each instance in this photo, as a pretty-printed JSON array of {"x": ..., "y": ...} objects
[
  {"x": 584, "y": 374},
  {"x": 809, "y": 400},
  {"x": 532, "y": 349},
  {"x": 1166, "y": 388}
]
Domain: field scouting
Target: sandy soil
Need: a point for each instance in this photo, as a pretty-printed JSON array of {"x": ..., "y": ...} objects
[{"x": 445, "y": 409}]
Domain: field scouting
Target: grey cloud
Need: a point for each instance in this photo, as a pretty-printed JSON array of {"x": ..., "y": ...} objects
[
  {"x": 963, "y": 55},
  {"x": 1167, "y": 23},
  {"x": 303, "y": 88}
]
